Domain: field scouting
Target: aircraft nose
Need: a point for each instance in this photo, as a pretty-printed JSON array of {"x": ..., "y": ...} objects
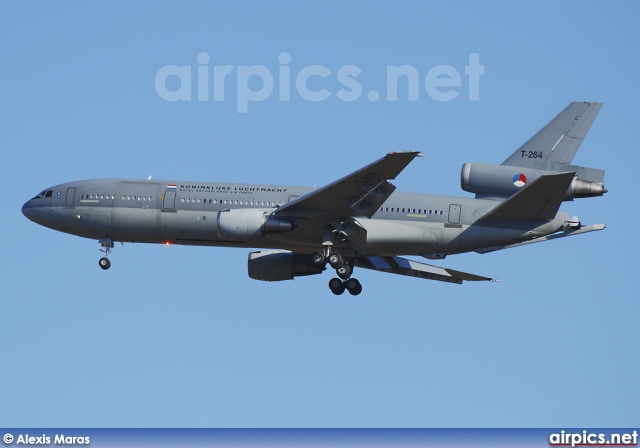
[{"x": 27, "y": 210}]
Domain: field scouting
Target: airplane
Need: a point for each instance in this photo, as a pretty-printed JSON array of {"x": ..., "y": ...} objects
[{"x": 358, "y": 221}]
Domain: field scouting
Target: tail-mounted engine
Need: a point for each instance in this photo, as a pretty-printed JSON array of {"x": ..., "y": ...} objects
[
  {"x": 276, "y": 265},
  {"x": 487, "y": 180},
  {"x": 243, "y": 224}
]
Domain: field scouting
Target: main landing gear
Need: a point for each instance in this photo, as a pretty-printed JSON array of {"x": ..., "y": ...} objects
[
  {"x": 344, "y": 269},
  {"x": 104, "y": 262}
]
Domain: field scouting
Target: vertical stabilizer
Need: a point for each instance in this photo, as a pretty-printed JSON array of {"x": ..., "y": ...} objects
[{"x": 559, "y": 141}]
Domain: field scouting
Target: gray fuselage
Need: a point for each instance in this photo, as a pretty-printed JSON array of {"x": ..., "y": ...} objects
[{"x": 178, "y": 212}]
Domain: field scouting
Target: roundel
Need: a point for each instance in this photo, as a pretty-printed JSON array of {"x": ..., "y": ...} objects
[{"x": 519, "y": 180}]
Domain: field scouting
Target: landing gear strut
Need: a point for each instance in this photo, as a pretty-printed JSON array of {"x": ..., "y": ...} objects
[
  {"x": 339, "y": 231},
  {"x": 344, "y": 269},
  {"x": 104, "y": 262}
]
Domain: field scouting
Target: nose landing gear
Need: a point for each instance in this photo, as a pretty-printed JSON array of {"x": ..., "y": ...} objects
[{"x": 104, "y": 262}]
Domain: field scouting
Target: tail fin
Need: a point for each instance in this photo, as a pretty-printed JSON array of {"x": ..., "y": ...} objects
[
  {"x": 538, "y": 201},
  {"x": 559, "y": 141}
]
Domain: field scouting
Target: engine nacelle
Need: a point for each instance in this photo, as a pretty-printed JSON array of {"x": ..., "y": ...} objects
[
  {"x": 243, "y": 224},
  {"x": 276, "y": 265},
  {"x": 504, "y": 180}
]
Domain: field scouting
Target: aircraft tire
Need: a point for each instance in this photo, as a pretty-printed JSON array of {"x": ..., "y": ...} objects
[
  {"x": 353, "y": 286},
  {"x": 335, "y": 260},
  {"x": 318, "y": 259},
  {"x": 336, "y": 286},
  {"x": 104, "y": 263},
  {"x": 344, "y": 271}
]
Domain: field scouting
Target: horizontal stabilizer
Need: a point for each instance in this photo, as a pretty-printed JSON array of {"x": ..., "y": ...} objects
[
  {"x": 403, "y": 266},
  {"x": 538, "y": 201},
  {"x": 555, "y": 236}
]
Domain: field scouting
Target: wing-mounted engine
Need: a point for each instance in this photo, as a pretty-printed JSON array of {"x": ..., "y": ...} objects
[
  {"x": 276, "y": 265},
  {"x": 486, "y": 180},
  {"x": 243, "y": 224}
]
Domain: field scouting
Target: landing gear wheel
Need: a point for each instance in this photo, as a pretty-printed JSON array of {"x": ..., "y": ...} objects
[
  {"x": 318, "y": 259},
  {"x": 344, "y": 271},
  {"x": 336, "y": 286},
  {"x": 335, "y": 260},
  {"x": 104, "y": 263},
  {"x": 353, "y": 286}
]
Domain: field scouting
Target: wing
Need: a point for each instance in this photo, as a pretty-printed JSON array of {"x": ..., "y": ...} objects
[
  {"x": 403, "y": 266},
  {"x": 358, "y": 194},
  {"x": 560, "y": 139}
]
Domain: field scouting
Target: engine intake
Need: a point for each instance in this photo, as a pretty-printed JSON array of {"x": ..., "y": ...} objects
[{"x": 277, "y": 265}]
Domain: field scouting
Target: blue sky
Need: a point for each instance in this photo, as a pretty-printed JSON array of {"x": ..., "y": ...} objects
[{"x": 181, "y": 337}]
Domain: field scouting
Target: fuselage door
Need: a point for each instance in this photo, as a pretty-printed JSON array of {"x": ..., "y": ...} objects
[
  {"x": 69, "y": 199},
  {"x": 454, "y": 214},
  {"x": 169, "y": 201}
]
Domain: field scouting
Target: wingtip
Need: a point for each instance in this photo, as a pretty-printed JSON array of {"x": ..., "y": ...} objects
[{"x": 414, "y": 153}]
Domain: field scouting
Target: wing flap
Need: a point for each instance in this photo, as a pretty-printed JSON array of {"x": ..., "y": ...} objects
[
  {"x": 554, "y": 236},
  {"x": 538, "y": 201},
  {"x": 411, "y": 268}
]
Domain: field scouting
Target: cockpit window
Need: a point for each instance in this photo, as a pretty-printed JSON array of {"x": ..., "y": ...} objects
[{"x": 44, "y": 194}]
